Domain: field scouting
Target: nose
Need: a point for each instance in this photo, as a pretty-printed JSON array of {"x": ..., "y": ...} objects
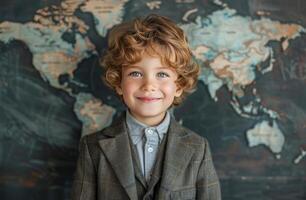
[{"x": 149, "y": 84}]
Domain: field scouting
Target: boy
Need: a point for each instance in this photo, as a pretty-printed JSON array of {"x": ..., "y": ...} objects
[{"x": 146, "y": 154}]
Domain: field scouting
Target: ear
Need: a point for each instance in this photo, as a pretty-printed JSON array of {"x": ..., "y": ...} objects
[
  {"x": 119, "y": 90},
  {"x": 178, "y": 92}
]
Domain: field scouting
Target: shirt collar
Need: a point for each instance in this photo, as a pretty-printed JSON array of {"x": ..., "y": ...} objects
[{"x": 138, "y": 127}]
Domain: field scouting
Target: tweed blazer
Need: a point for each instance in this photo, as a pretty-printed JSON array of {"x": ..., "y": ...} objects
[{"x": 105, "y": 168}]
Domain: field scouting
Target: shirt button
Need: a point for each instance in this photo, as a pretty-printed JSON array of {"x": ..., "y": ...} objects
[
  {"x": 150, "y": 149},
  {"x": 150, "y": 131}
]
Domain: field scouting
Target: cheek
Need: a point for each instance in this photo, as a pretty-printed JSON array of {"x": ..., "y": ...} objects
[
  {"x": 169, "y": 89},
  {"x": 128, "y": 87}
]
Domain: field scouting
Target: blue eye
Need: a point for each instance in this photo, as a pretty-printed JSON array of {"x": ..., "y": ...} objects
[
  {"x": 162, "y": 74},
  {"x": 135, "y": 74}
]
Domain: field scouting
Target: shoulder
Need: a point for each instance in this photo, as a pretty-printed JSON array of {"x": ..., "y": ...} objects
[
  {"x": 194, "y": 136},
  {"x": 190, "y": 137},
  {"x": 117, "y": 127}
]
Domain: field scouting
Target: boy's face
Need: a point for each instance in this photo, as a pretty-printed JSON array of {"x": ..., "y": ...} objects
[{"x": 148, "y": 89}]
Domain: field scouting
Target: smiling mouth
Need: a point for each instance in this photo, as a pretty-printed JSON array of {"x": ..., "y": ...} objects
[{"x": 148, "y": 99}]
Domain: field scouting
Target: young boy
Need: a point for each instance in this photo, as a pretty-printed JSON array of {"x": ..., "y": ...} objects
[{"x": 146, "y": 154}]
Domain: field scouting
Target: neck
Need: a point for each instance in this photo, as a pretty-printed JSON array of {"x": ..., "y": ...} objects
[{"x": 150, "y": 121}]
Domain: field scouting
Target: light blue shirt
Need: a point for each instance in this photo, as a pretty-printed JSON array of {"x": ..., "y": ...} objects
[{"x": 146, "y": 140}]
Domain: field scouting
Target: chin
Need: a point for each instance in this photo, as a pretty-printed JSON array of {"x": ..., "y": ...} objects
[{"x": 148, "y": 113}]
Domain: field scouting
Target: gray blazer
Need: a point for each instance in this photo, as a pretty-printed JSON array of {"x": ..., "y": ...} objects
[{"x": 105, "y": 168}]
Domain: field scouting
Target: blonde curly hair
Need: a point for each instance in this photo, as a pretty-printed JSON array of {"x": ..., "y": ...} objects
[{"x": 156, "y": 36}]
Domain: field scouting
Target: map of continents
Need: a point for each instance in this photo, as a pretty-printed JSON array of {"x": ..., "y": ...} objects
[
  {"x": 235, "y": 53},
  {"x": 232, "y": 59}
]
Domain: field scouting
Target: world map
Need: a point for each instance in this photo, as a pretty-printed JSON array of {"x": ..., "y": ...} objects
[{"x": 249, "y": 103}]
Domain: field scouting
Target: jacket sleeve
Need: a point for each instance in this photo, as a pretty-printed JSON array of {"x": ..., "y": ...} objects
[
  {"x": 84, "y": 183},
  {"x": 207, "y": 185}
]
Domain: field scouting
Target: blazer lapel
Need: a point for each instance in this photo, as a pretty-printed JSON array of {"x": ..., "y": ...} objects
[
  {"x": 118, "y": 153},
  {"x": 178, "y": 153}
]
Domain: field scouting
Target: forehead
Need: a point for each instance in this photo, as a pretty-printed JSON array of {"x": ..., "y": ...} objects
[{"x": 148, "y": 62}]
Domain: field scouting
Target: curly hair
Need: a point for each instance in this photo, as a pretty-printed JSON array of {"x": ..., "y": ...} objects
[{"x": 156, "y": 36}]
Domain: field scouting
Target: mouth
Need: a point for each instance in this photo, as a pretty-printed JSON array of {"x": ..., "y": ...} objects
[{"x": 148, "y": 99}]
